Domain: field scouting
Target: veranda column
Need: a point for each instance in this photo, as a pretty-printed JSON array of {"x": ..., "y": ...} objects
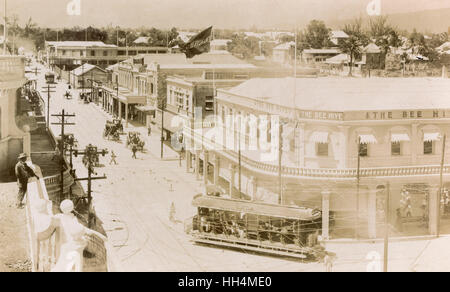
[
  {"x": 325, "y": 215},
  {"x": 216, "y": 170},
  {"x": 372, "y": 212},
  {"x": 188, "y": 160},
  {"x": 232, "y": 174},
  {"x": 433, "y": 202},
  {"x": 205, "y": 167},
  {"x": 197, "y": 164},
  {"x": 254, "y": 187},
  {"x": 414, "y": 143}
]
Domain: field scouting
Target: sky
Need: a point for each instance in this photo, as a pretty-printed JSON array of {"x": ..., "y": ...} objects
[{"x": 202, "y": 13}]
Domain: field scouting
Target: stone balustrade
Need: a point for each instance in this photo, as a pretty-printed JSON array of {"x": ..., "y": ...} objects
[{"x": 58, "y": 242}]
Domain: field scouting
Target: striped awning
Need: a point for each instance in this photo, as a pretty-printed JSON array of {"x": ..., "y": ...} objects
[
  {"x": 431, "y": 136},
  {"x": 319, "y": 137},
  {"x": 367, "y": 139},
  {"x": 399, "y": 137}
]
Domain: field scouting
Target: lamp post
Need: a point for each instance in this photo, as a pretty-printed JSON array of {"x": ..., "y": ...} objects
[{"x": 50, "y": 79}]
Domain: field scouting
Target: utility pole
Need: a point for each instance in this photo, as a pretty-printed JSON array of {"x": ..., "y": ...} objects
[
  {"x": 386, "y": 226},
  {"x": 357, "y": 188},
  {"x": 62, "y": 122},
  {"x": 49, "y": 90},
  {"x": 162, "y": 129},
  {"x": 240, "y": 157},
  {"x": 280, "y": 153},
  {"x": 4, "y": 31},
  {"x": 440, "y": 187},
  {"x": 91, "y": 154}
]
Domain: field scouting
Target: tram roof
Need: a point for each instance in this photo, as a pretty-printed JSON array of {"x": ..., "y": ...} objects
[{"x": 296, "y": 213}]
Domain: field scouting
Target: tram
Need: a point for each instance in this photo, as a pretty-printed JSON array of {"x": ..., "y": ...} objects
[{"x": 258, "y": 227}]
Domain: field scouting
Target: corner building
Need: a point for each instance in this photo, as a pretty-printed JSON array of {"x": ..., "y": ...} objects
[{"x": 396, "y": 125}]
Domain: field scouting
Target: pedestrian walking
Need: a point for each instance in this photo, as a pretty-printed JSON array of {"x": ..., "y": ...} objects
[
  {"x": 113, "y": 158},
  {"x": 134, "y": 149},
  {"x": 328, "y": 262},
  {"x": 172, "y": 213},
  {"x": 23, "y": 173},
  {"x": 149, "y": 131}
]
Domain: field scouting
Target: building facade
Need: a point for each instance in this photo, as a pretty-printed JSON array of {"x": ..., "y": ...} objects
[
  {"x": 13, "y": 139},
  {"x": 392, "y": 128},
  {"x": 67, "y": 55}
]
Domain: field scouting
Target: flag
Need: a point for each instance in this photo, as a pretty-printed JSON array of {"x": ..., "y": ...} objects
[{"x": 198, "y": 44}]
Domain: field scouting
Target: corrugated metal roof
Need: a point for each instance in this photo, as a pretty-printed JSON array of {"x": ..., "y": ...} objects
[
  {"x": 84, "y": 69},
  {"x": 349, "y": 94},
  {"x": 80, "y": 44},
  {"x": 248, "y": 207}
]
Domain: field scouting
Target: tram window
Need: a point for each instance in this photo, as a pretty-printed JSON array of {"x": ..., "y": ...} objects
[
  {"x": 363, "y": 150},
  {"x": 322, "y": 149},
  {"x": 395, "y": 148},
  {"x": 428, "y": 147}
]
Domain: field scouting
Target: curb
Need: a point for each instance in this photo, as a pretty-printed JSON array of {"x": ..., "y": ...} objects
[{"x": 381, "y": 240}]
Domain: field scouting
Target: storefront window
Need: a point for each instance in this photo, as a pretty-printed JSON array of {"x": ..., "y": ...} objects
[
  {"x": 363, "y": 150},
  {"x": 428, "y": 147},
  {"x": 322, "y": 149},
  {"x": 395, "y": 148}
]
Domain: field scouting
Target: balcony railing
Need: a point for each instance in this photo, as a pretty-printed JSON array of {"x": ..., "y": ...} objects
[
  {"x": 12, "y": 68},
  {"x": 318, "y": 173}
]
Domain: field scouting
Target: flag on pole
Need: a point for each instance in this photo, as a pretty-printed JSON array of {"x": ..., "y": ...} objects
[{"x": 198, "y": 44}]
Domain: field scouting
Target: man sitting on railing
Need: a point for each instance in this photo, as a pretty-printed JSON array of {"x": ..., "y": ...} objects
[{"x": 23, "y": 173}]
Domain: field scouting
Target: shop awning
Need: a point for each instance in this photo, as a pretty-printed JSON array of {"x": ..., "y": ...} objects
[
  {"x": 431, "y": 136},
  {"x": 145, "y": 108},
  {"x": 319, "y": 137},
  {"x": 367, "y": 139},
  {"x": 399, "y": 137}
]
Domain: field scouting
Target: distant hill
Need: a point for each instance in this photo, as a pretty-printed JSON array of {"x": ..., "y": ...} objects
[{"x": 426, "y": 21}]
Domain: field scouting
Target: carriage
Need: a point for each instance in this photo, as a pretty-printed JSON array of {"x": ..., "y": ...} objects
[
  {"x": 134, "y": 138},
  {"x": 68, "y": 94},
  {"x": 95, "y": 161},
  {"x": 113, "y": 129},
  {"x": 258, "y": 227}
]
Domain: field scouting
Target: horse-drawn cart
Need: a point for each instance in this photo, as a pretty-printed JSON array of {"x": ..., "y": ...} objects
[
  {"x": 113, "y": 129},
  {"x": 134, "y": 138}
]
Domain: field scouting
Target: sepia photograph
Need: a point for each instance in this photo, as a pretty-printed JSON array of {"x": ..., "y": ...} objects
[{"x": 224, "y": 136}]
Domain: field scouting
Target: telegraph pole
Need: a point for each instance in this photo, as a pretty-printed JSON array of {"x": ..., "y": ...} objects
[
  {"x": 280, "y": 153},
  {"x": 240, "y": 157},
  {"x": 440, "y": 187},
  {"x": 4, "y": 31},
  {"x": 62, "y": 122},
  {"x": 357, "y": 188},
  {"x": 386, "y": 226},
  {"x": 49, "y": 90},
  {"x": 162, "y": 129},
  {"x": 91, "y": 153}
]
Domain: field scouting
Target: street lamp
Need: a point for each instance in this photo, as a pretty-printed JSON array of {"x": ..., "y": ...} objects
[{"x": 50, "y": 79}]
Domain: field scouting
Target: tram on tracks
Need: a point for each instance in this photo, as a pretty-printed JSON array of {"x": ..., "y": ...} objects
[{"x": 258, "y": 227}]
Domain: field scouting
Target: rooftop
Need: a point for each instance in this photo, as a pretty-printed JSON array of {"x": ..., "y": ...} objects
[
  {"x": 83, "y": 69},
  {"x": 338, "y": 34},
  {"x": 321, "y": 51},
  {"x": 349, "y": 94},
  {"x": 80, "y": 44}
]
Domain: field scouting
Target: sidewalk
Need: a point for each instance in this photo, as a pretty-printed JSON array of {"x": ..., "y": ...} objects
[{"x": 14, "y": 241}]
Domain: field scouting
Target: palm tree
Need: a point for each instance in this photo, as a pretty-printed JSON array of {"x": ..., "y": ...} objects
[
  {"x": 353, "y": 44},
  {"x": 352, "y": 47}
]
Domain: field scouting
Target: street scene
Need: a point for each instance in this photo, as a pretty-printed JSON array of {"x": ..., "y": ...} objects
[{"x": 309, "y": 143}]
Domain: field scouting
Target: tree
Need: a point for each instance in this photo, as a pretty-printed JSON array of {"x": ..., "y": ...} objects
[
  {"x": 316, "y": 35},
  {"x": 353, "y": 44},
  {"x": 244, "y": 47}
]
